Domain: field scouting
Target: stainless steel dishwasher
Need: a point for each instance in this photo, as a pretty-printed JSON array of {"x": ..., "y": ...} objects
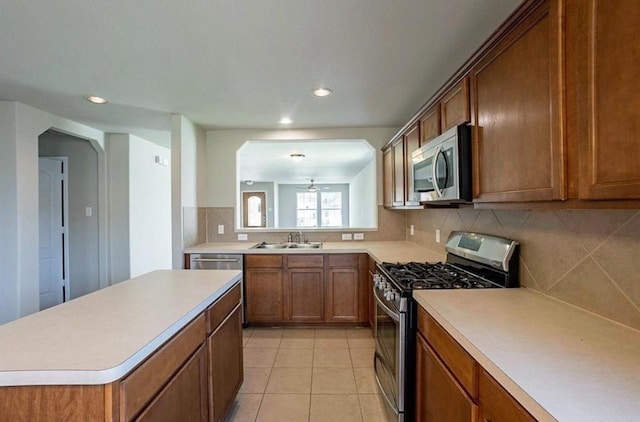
[{"x": 207, "y": 261}]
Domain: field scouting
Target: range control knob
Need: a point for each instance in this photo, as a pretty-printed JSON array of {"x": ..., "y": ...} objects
[{"x": 391, "y": 296}]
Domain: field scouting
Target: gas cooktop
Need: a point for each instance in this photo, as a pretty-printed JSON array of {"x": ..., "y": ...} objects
[{"x": 419, "y": 275}]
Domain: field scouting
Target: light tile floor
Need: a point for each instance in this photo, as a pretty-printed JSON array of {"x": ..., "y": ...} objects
[{"x": 308, "y": 375}]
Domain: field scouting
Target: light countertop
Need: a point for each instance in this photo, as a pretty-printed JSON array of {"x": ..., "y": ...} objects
[
  {"x": 400, "y": 251},
  {"x": 100, "y": 337},
  {"x": 560, "y": 362}
]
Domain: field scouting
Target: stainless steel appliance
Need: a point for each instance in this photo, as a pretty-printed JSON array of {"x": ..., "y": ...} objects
[
  {"x": 204, "y": 261},
  {"x": 442, "y": 168},
  {"x": 474, "y": 261}
]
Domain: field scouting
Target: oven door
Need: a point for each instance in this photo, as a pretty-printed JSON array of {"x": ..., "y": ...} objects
[{"x": 389, "y": 356}]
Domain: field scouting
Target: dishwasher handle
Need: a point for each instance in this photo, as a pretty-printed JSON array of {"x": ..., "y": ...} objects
[{"x": 215, "y": 259}]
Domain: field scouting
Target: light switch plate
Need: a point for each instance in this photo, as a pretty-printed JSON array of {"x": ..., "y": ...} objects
[
  {"x": 220, "y": 228},
  {"x": 411, "y": 230},
  {"x": 346, "y": 236},
  {"x": 358, "y": 236},
  {"x": 88, "y": 211},
  {"x": 437, "y": 235},
  {"x": 243, "y": 236}
]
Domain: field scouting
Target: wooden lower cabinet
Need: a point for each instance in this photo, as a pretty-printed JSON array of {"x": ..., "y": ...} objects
[
  {"x": 184, "y": 397},
  {"x": 308, "y": 289},
  {"x": 439, "y": 397},
  {"x": 497, "y": 405},
  {"x": 224, "y": 347}
]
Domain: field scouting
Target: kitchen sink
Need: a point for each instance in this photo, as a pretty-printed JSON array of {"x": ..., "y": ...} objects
[{"x": 288, "y": 245}]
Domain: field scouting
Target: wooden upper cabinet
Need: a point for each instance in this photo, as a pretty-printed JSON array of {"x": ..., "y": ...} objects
[
  {"x": 430, "y": 124},
  {"x": 398, "y": 173},
  {"x": 604, "y": 37},
  {"x": 518, "y": 109},
  {"x": 411, "y": 143},
  {"x": 387, "y": 178},
  {"x": 455, "y": 106}
]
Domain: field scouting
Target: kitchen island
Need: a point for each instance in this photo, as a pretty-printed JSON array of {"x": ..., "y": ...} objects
[
  {"x": 117, "y": 353},
  {"x": 557, "y": 361}
]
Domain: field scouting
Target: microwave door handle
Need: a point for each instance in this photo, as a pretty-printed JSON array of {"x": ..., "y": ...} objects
[{"x": 433, "y": 168}]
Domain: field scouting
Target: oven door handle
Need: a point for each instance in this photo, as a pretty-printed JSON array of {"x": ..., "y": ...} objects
[
  {"x": 390, "y": 313},
  {"x": 380, "y": 388}
]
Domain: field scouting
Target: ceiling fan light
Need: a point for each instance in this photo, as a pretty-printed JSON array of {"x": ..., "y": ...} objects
[{"x": 297, "y": 157}]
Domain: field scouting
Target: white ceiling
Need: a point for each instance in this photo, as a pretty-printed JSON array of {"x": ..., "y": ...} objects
[
  {"x": 270, "y": 161},
  {"x": 236, "y": 63}
]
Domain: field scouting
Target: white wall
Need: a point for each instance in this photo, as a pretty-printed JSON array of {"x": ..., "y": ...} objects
[
  {"x": 362, "y": 212},
  {"x": 140, "y": 207},
  {"x": 20, "y": 126},
  {"x": 117, "y": 147},
  {"x": 187, "y": 176},
  {"x": 149, "y": 207},
  {"x": 221, "y": 147}
]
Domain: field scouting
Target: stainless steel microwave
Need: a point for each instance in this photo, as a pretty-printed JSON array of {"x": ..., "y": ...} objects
[{"x": 442, "y": 168}]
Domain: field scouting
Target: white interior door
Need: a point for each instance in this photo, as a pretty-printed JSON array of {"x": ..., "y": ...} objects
[{"x": 53, "y": 236}]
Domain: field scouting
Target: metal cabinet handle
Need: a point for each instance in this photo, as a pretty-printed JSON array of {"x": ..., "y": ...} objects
[{"x": 216, "y": 260}]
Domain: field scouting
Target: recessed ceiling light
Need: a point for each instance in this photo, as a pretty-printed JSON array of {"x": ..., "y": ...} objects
[
  {"x": 96, "y": 100},
  {"x": 321, "y": 92},
  {"x": 297, "y": 157},
  {"x": 285, "y": 121}
]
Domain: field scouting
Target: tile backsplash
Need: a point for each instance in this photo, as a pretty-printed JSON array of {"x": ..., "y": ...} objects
[
  {"x": 201, "y": 225},
  {"x": 588, "y": 258}
]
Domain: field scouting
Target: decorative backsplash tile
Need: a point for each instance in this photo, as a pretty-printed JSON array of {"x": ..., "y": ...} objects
[{"x": 588, "y": 258}]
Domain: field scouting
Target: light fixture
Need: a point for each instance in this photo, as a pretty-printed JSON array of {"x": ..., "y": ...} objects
[
  {"x": 297, "y": 157},
  {"x": 321, "y": 92},
  {"x": 96, "y": 100},
  {"x": 285, "y": 121}
]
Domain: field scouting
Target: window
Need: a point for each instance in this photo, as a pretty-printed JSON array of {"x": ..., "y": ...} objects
[
  {"x": 330, "y": 207},
  {"x": 307, "y": 209},
  {"x": 331, "y": 203}
]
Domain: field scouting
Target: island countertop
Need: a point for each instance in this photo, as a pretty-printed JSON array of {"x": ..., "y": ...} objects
[
  {"x": 560, "y": 362},
  {"x": 100, "y": 337}
]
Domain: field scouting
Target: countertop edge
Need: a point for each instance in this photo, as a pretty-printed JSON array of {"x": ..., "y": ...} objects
[
  {"x": 532, "y": 406},
  {"x": 109, "y": 375}
]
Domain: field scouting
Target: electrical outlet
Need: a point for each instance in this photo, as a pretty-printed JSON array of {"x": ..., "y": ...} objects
[
  {"x": 243, "y": 236},
  {"x": 437, "y": 235},
  {"x": 88, "y": 211},
  {"x": 220, "y": 228},
  {"x": 346, "y": 236},
  {"x": 358, "y": 236},
  {"x": 411, "y": 232}
]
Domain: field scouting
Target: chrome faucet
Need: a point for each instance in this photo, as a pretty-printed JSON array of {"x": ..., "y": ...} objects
[{"x": 294, "y": 237}]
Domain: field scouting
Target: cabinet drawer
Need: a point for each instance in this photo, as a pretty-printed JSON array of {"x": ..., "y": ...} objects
[
  {"x": 305, "y": 261},
  {"x": 459, "y": 362},
  {"x": 263, "y": 261},
  {"x": 142, "y": 384},
  {"x": 497, "y": 405},
  {"x": 343, "y": 260},
  {"x": 217, "y": 312}
]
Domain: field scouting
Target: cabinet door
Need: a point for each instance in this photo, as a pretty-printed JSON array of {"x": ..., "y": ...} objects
[
  {"x": 305, "y": 294},
  {"x": 184, "y": 398},
  {"x": 342, "y": 295},
  {"x": 497, "y": 405},
  {"x": 438, "y": 395},
  {"x": 224, "y": 348},
  {"x": 411, "y": 143},
  {"x": 264, "y": 295},
  {"x": 430, "y": 124},
  {"x": 398, "y": 173},
  {"x": 607, "y": 98},
  {"x": 518, "y": 146},
  {"x": 387, "y": 178},
  {"x": 455, "y": 106}
]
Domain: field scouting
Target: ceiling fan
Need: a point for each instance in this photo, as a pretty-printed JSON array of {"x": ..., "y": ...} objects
[{"x": 313, "y": 188}]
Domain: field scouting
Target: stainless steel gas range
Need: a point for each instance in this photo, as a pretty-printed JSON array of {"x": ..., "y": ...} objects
[{"x": 474, "y": 261}]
